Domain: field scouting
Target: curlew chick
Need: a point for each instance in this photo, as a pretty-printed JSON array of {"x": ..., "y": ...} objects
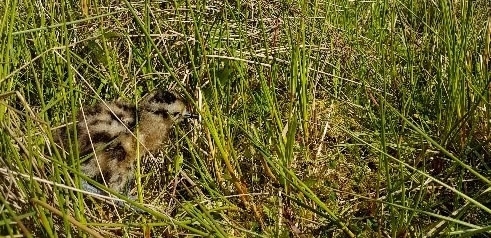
[{"x": 111, "y": 132}]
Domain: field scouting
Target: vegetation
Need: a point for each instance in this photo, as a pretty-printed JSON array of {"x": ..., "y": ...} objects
[{"x": 317, "y": 118}]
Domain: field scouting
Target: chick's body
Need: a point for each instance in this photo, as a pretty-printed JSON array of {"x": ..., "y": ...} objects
[{"x": 110, "y": 131}]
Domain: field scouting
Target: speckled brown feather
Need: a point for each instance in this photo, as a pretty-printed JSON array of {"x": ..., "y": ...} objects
[{"x": 110, "y": 129}]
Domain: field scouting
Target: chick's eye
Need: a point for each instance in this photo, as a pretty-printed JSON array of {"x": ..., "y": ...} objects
[{"x": 175, "y": 114}]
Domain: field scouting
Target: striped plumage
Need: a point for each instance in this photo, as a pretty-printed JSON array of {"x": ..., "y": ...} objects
[{"x": 110, "y": 129}]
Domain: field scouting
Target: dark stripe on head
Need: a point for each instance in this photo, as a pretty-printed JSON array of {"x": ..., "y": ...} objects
[
  {"x": 162, "y": 112},
  {"x": 164, "y": 97},
  {"x": 101, "y": 137}
]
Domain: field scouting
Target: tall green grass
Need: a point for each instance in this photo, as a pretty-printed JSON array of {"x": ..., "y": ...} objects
[{"x": 317, "y": 118}]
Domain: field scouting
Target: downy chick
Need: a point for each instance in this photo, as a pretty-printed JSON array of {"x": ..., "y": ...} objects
[{"x": 110, "y": 130}]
